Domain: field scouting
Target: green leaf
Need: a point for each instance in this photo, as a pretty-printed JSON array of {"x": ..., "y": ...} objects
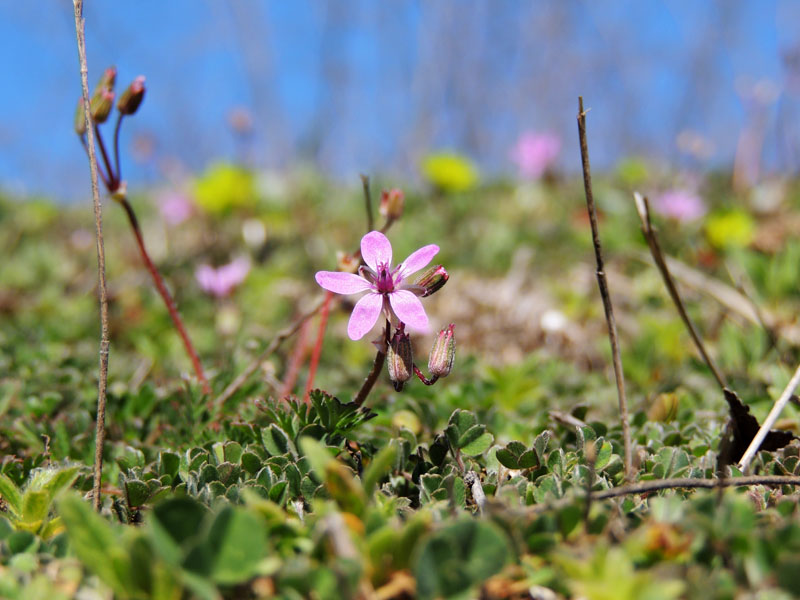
[
  {"x": 479, "y": 445},
  {"x": 95, "y": 543},
  {"x": 251, "y": 462},
  {"x": 35, "y": 505},
  {"x": 275, "y": 440},
  {"x": 11, "y": 494},
  {"x": 232, "y": 452},
  {"x": 528, "y": 460},
  {"x": 458, "y": 557},
  {"x": 169, "y": 463},
  {"x": 507, "y": 458},
  {"x": 238, "y": 538},
  {"x": 603, "y": 456},
  {"x": 137, "y": 493},
  {"x": 380, "y": 465}
]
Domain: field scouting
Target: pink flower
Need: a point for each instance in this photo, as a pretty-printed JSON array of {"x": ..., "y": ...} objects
[
  {"x": 534, "y": 153},
  {"x": 681, "y": 205},
  {"x": 387, "y": 289},
  {"x": 175, "y": 208},
  {"x": 220, "y": 282}
]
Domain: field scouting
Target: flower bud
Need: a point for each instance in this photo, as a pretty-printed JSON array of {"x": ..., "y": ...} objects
[
  {"x": 107, "y": 81},
  {"x": 399, "y": 358},
  {"x": 432, "y": 280},
  {"x": 392, "y": 203},
  {"x": 443, "y": 353},
  {"x": 101, "y": 105},
  {"x": 132, "y": 97},
  {"x": 80, "y": 118}
]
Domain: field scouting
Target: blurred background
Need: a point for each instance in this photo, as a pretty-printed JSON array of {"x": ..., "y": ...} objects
[{"x": 349, "y": 86}]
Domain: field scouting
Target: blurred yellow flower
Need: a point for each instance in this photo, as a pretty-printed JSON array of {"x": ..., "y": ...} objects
[
  {"x": 224, "y": 187},
  {"x": 733, "y": 229},
  {"x": 450, "y": 172}
]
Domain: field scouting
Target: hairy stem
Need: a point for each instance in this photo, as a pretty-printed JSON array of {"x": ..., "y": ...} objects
[
  {"x": 100, "y": 432},
  {"x": 604, "y": 293},
  {"x": 424, "y": 379},
  {"x": 165, "y": 295},
  {"x": 377, "y": 365}
]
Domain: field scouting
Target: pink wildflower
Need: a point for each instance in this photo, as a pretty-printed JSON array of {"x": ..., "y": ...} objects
[
  {"x": 387, "y": 289},
  {"x": 221, "y": 281},
  {"x": 175, "y": 207},
  {"x": 534, "y": 153},
  {"x": 681, "y": 205}
]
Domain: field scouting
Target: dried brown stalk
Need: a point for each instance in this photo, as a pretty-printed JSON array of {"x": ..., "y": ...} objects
[
  {"x": 604, "y": 293},
  {"x": 101, "y": 260}
]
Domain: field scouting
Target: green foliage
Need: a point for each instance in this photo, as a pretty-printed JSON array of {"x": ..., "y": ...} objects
[{"x": 328, "y": 499}]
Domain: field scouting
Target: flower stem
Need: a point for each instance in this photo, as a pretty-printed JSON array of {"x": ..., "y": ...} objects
[
  {"x": 295, "y": 362},
  {"x": 367, "y": 202},
  {"x": 424, "y": 379},
  {"x": 315, "y": 353},
  {"x": 116, "y": 146},
  {"x": 113, "y": 181},
  {"x": 372, "y": 377},
  {"x": 165, "y": 295}
]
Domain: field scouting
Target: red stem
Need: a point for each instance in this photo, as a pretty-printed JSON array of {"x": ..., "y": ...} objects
[
  {"x": 424, "y": 379},
  {"x": 113, "y": 180},
  {"x": 295, "y": 361},
  {"x": 323, "y": 323},
  {"x": 165, "y": 295}
]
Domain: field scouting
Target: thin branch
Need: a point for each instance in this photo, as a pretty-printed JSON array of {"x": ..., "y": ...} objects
[
  {"x": 296, "y": 359},
  {"x": 780, "y": 404},
  {"x": 377, "y": 365},
  {"x": 656, "y": 485},
  {"x": 116, "y": 147},
  {"x": 100, "y": 433},
  {"x": 113, "y": 181},
  {"x": 643, "y": 208},
  {"x": 317, "y": 350},
  {"x": 165, "y": 295},
  {"x": 367, "y": 201},
  {"x": 282, "y": 335},
  {"x": 604, "y": 293}
]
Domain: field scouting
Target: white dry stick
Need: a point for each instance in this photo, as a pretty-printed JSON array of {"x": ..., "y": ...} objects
[
  {"x": 773, "y": 415},
  {"x": 100, "y": 434}
]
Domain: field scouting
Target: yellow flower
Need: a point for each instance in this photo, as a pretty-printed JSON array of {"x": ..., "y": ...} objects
[
  {"x": 450, "y": 172},
  {"x": 224, "y": 187},
  {"x": 733, "y": 229}
]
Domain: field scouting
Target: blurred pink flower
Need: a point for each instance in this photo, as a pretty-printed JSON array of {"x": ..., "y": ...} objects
[
  {"x": 386, "y": 287},
  {"x": 534, "y": 153},
  {"x": 679, "y": 204},
  {"x": 175, "y": 207},
  {"x": 220, "y": 281}
]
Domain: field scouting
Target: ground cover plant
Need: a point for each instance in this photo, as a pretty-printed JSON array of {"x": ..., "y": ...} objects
[{"x": 453, "y": 432}]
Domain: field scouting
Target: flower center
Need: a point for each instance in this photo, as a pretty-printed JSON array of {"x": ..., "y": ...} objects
[{"x": 384, "y": 282}]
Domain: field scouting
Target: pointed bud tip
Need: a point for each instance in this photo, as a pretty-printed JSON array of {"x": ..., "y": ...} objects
[
  {"x": 132, "y": 97},
  {"x": 443, "y": 352},
  {"x": 392, "y": 204},
  {"x": 399, "y": 358},
  {"x": 433, "y": 280}
]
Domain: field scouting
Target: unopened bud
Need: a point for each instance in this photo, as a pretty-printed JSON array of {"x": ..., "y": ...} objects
[
  {"x": 392, "y": 204},
  {"x": 107, "y": 80},
  {"x": 132, "y": 97},
  {"x": 443, "y": 353},
  {"x": 399, "y": 358},
  {"x": 433, "y": 280},
  {"x": 80, "y": 118},
  {"x": 347, "y": 262},
  {"x": 102, "y": 103}
]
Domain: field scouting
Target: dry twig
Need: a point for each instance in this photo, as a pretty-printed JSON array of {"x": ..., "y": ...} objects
[
  {"x": 100, "y": 433},
  {"x": 604, "y": 293},
  {"x": 643, "y": 208}
]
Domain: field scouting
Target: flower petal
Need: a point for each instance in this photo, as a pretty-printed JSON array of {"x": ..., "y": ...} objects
[
  {"x": 417, "y": 260},
  {"x": 376, "y": 250},
  {"x": 364, "y": 315},
  {"x": 341, "y": 283},
  {"x": 409, "y": 309}
]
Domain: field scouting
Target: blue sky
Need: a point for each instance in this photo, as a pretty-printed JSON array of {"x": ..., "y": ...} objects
[{"x": 364, "y": 86}]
